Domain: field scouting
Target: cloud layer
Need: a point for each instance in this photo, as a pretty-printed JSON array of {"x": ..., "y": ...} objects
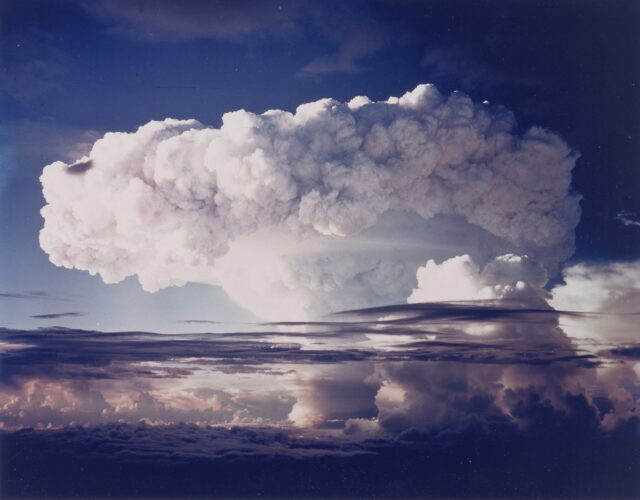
[
  {"x": 332, "y": 206},
  {"x": 434, "y": 412},
  {"x": 451, "y": 398}
]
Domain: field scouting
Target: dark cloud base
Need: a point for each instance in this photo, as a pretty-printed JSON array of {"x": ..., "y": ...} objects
[{"x": 560, "y": 456}]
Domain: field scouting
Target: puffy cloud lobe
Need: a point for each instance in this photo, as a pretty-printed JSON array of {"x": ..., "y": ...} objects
[
  {"x": 460, "y": 278},
  {"x": 610, "y": 289},
  {"x": 511, "y": 280},
  {"x": 44, "y": 404},
  {"x": 168, "y": 201}
]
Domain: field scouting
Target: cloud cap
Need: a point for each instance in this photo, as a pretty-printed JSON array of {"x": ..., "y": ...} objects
[{"x": 172, "y": 200}]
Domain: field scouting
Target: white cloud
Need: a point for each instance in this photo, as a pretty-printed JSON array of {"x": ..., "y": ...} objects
[
  {"x": 460, "y": 278},
  {"x": 611, "y": 290},
  {"x": 335, "y": 205}
]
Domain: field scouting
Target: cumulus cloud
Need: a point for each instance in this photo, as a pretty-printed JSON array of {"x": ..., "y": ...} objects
[
  {"x": 333, "y": 206},
  {"x": 460, "y": 278},
  {"x": 611, "y": 290},
  {"x": 327, "y": 398}
]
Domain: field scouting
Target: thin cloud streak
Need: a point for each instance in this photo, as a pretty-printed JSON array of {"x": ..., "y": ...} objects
[
  {"x": 57, "y": 315},
  {"x": 627, "y": 218},
  {"x": 33, "y": 295},
  {"x": 60, "y": 352}
]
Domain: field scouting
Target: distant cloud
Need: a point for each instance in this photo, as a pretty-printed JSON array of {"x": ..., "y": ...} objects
[
  {"x": 32, "y": 65},
  {"x": 609, "y": 288},
  {"x": 628, "y": 218},
  {"x": 350, "y": 28},
  {"x": 33, "y": 295},
  {"x": 199, "y": 321},
  {"x": 470, "y": 70},
  {"x": 460, "y": 278},
  {"x": 167, "y": 20},
  {"x": 382, "y": 383},
  {"x": 400, "y": 332},
  {"x": 628, "y": 351},
  {"x": 36, "y": 142},
  {"x": 58, "y": 315},
  {"x": 490, "y": 459},
  {"x": 463, "y": 311},
  {"x": 355, "y": 44}
]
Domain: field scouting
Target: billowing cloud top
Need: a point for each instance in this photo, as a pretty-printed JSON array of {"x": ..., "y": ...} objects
[{"x": 333, "y": 206}]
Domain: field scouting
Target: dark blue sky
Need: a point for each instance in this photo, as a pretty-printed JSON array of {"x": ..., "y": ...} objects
[{"x": 74, "y": 70}]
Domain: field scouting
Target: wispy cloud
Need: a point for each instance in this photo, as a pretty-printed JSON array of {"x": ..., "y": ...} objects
[
  {"x": 436, "y": 332},
  {"x": 33, "y": 295},
  {"x": 199, "y": 321},
  {"x": 32, "y": 65},
  {"x": 470, "y": 69},
  {"x": 355, "y": 44},
  {"x": 628, "y": 218},
  {"x": 165, "y": 20},
  {"x": 464, "y": 311},
  {"x": 57, "y": 315}
]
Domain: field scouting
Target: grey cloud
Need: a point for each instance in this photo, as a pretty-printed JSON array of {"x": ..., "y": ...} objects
[
  {"x": 363, "y": 377},
  {"x": 62, "y": 352},
  {"x": 627, "y": 351},
  {"x": 33, "y": 295},
  {"x": 525, "y": 336},
  {"x": 185, "y": 460},
  {"x": 79, "y": 167},
  {"x": 57, "y": 315},
  {"x": 199, "y": 321},
  {"x": 183, "y": 443},
  {"x": 463, "y": 311}
]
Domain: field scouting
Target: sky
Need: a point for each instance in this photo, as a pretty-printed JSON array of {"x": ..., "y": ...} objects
[
  {"x": 73, "y": 72},
  {"x": 333, "y": 241}
]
